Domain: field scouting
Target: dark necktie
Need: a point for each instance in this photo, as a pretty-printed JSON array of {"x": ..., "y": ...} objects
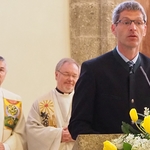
[{"x": 131, "y": 64}]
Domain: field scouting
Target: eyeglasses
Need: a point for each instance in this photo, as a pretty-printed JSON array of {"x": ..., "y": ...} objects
[
  {"x": 128, "y": 22},
  {"x": 67, "y": 75}
]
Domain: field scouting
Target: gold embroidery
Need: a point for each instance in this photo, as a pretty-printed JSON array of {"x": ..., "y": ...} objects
[
  {"x": 12, "y": 113},
  {"x": 12, "y": 110},
  {"x": 47, "y": 113},
  {"x": 47, "y": 106}
]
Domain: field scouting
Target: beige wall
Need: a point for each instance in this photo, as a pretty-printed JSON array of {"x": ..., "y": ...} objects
[{"x": 34, "y": 36}]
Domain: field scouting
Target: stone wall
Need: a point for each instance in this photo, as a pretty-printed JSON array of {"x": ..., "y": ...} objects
[{"x": 90, "y": 28}]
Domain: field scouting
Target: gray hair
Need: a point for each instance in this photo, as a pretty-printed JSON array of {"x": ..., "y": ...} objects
[
  {"x": 128, "y": 5},
  {"x": 2, "y": 58},
  {"x": 64, "y": 60}
]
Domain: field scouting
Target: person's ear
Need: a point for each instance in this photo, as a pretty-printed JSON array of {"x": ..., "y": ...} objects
[
  {"x": 113, "y": 29},
  {"x": 56, "y": 74},
  {"x": 145, "y": 29}
]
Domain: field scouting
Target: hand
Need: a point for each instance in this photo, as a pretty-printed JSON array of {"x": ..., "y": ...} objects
[
  {"x": 1, "y": 146},
  {"x": 66, "y": 136}
]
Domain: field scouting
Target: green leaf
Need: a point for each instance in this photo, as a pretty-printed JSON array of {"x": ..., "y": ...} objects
[
  {"x": 127, "y": 146},
  {"x": 134, "y": 131},
  {"x": 127, "y": 128},
  {"x": 124, "y": 129}
]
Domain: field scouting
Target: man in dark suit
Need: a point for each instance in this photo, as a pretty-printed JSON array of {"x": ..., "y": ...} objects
[{"x": 111, "y": 84}]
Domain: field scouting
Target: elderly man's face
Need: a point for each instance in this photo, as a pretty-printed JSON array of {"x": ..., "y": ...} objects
[
  {"x": 67, "y": 77},
  {"x": 3, "y": 71}
]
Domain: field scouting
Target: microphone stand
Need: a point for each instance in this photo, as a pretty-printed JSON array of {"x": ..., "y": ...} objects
[{"x": 144, "y": 73}]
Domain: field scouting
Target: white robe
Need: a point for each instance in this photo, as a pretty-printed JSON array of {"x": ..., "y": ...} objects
[
  {"x": 13, "y": 139},
  {"x": 49, "y": 138}
]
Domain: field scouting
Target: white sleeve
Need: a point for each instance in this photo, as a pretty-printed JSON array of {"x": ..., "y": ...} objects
[{"x": 6, "y": 146}]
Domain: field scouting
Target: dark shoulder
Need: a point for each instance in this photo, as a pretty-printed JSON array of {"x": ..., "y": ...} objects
[
  {"x": 98, "y": 64},
  {"x": 144, "y": 57},
  {"x": 145, "y": 61}
]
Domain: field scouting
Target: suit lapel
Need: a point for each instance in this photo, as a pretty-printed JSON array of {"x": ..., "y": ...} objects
[{"x": 123, "y": 63}]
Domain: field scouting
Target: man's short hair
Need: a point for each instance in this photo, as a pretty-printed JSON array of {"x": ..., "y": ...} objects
[{"x": 128, "y": 5}]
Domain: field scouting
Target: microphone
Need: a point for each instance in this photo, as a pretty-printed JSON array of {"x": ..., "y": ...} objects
[{"x": 144, "y": 73}]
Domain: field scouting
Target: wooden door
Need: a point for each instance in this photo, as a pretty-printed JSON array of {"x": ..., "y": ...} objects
[{"x": 145, "y": 45}]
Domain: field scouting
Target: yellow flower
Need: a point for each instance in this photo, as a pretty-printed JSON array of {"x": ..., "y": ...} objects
[
  {"x": 146, "y": 124},
  {"x": 109, "y": 146},
  {"x": 133, "y": 115}
]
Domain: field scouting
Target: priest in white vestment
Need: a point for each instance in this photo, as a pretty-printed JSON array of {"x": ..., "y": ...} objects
[
  {"x": 12, "y": 122},
  {"x": 48, "y": 119}
]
